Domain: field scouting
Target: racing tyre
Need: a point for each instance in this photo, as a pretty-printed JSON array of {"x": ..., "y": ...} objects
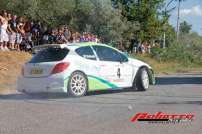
[
  {"x": 77, "y": 85},
  {"x": 141, "y": 82}
]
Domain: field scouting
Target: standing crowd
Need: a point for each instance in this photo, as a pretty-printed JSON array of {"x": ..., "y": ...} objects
[
  {"x": 134, "y": 46},
  {"x": 20, "y": 34}
]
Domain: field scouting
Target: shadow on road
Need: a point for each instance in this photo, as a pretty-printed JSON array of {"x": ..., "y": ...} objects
[
  {"x": 37, "y": 96},
  {"x": 45, "y": 96},
  {"x": 181, "y": 102},
  {"x": 110, "y": 91},
  {"x": 178, "y": 80}
]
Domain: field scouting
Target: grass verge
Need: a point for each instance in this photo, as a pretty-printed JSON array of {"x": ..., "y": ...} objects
[{"x": 167, "y": 67}]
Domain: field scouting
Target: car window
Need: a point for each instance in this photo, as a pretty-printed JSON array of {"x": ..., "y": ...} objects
[
  {"x": 50, "y": 55},
  {"x": 86, "y": 52},
  {"x": 107, "y": 54},
  {"x": 124, "y": 58}
]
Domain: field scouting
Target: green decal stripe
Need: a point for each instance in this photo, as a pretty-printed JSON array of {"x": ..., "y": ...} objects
[
  {"x": 95, "y": 83},
  {"x": 66, "y": 78},
  {"x": 109, "y": 84}
]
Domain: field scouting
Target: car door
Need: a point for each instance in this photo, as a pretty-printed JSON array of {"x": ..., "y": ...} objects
[
  {"x": 88, "y": 63},
  {"x": 126, "y": 70},
  {"x": 110, "y": 66}
]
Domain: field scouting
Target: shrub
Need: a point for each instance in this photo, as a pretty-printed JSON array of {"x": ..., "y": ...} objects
[{"x": 180, "y": 53}]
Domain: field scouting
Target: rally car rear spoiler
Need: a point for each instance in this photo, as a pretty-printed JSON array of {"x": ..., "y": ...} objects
[{"x": 35, "y": 49}]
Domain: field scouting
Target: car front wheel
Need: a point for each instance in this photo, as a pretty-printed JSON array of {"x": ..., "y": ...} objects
[{"x": 141, "y": 82}]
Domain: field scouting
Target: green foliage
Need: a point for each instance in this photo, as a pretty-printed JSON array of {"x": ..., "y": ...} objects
[
  {"x": 185, "y": 28},
  {"x": 106, "y": 21},
  {"x": 180, "y": 53},
  {"x": 187, "y": 51},
  {"x": 49, "y": 12},
  {"x": 147, "y": 14}
]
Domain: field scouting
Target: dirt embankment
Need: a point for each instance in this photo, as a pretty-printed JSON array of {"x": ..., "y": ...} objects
[{"x": 10, "y": 68}]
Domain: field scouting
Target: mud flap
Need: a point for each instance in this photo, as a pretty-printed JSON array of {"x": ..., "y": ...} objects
[{"x": 152, "y": 79}]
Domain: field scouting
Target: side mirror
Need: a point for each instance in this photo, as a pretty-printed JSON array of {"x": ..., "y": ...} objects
[
  {"x": 124, "y": 57},
  {"x": 126, "y": 54}
]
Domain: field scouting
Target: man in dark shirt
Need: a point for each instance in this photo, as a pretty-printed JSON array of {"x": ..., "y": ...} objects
[
  {"x": 12, "y": 28},
  {"x": 36, "y": 32}
]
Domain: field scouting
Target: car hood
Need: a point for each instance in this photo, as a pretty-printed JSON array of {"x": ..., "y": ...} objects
[{"x": 138, "y": 63}]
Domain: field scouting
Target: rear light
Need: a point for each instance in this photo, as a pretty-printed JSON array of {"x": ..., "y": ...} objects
[
  {"x": 22, "y": 71},
  {"x": 60, "y": 67}
]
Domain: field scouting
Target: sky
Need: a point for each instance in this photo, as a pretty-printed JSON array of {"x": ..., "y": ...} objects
[{"x": 190, "y": 11}]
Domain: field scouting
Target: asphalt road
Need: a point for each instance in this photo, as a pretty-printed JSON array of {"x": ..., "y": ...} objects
[{"x": 105, "y": 112}]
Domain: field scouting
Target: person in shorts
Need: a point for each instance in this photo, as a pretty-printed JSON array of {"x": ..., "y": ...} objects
[
  {"x": 1, "y": 39},
  {"x": 12, "y": 28},
  {"x": 3, "y": 31},
  {"x": 28, "y": 34},
  {"x": 20, "y": 35}
]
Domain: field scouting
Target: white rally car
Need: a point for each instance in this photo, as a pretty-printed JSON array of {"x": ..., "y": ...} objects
[{"x": 81, "y": 67}]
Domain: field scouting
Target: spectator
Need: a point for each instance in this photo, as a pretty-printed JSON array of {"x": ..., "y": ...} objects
[
  {"x": 75, "y": 37},
  {"x": 28, "y": 34},
  {"x": 78, "y": 36},
  {"x": 20, "y": 34},
  {"x": 67, "y": 33},
  {"x": 52, "y": 37},
  {"x": 120, "y": 46},
  {"x": 36, "y": 32},
  {"x": 12, "y": 28},
  {"x": 45, "y": 37},
  {"x": 9, "y": 16},
  {"x": 3, "y": 31},
  {"x": 28, "y": 26},
  {"x": 143, "y": 48},
  {"x": 60, "y": 38},
  {"x": 82, "y": 39},
  {"x": 86, "y": 37},
  {"x": 149, "y": 48}
]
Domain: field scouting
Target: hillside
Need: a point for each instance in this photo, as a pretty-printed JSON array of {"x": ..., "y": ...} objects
[{"x": 10, "y": 67}]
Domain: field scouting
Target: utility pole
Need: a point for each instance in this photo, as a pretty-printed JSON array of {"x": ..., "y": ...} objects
[
  {"x": 164, "y": 27},
  {"x": 164, "y": 39},
  {"x": 178, "y": 19}
]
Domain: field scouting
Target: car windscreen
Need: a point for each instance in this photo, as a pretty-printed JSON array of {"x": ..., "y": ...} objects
[{"x": 50, "y": 54}]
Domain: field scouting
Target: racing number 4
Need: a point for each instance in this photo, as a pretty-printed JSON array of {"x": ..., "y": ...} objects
[{"x": 119, "y": 72}]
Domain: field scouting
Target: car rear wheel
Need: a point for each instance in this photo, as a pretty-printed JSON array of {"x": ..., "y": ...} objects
[
  {"x": 77, "y": 85},
  {"x": 141, "y": 82}
]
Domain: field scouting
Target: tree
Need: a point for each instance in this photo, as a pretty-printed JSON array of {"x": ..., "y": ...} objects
[
  {"x": 3, "y": 4},
  {"x": 48, "y": 12},
  {"x": 146, "y": 14},
  {"x": 106, "y": 21},
  {"x": 185, "y": 28}
]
